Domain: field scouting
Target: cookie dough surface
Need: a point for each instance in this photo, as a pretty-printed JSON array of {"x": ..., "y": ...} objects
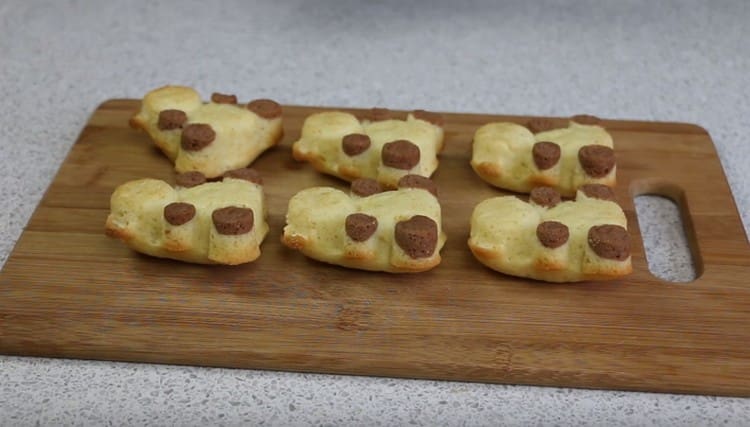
[
  {"x": 378, "y": 147},
  {"x": 209, "y": 222},
  {"x": 510, "y": 156},
  {"x": 213, "y": 137},
  {"x": 549, "y": 240},
  {"x": 394, "y": 231}
]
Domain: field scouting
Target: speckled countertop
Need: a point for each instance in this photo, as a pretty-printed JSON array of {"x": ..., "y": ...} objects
[{"x": 669, "y": 60}]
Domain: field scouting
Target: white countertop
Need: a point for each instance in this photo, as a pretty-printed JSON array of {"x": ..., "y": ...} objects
[{"x": 670, "y": 61}]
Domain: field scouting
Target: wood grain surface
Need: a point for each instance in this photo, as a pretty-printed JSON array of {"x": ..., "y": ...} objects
[{"x": 69, "y": 291}]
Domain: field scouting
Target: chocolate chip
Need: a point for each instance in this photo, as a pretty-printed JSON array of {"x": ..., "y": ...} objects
[
  {"x": 266, "y": 108},
  {"x": 552, "y": 234},
  {"x": 355, "y": 143},
  {"x": 190, "y": 179},
  {"x": 539, "y": 124},
  {"x": 179, "y": 213},
  {"x": 221, "y": 98},
  {"x": 418, "y": 181},
  {"x": 233, "y": 220},
  {"x": 545, "y": 196},
  {"x": 596, "y": 160},
  {"x": 417, "y": 236},
  {"x": 359, "y": 226},
  {"x": 610, "y": 241},
  {"x": 378, "y": 114},
  {"x": 546, "y": 154},
  {"x": 430, "y": 117},
  {"x": 197, "y": 136},
  {"x": 364, "y": 187},
  {"x": 401, "y": 154},
  {"x": 248, "y": 174},
  {"x": 598, "y": 191},
  {"x": 585, "y": 119},
  {"x": 171, "y": 119}
]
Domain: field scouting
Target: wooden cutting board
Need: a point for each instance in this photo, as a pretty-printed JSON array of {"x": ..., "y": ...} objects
[{"x": 69, "y": 291}]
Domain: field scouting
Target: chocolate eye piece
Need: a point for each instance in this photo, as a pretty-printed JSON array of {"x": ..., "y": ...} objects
[
  {"x": 430, "y": 117},
  {"x": 401, "y": 154},
  {"x": 417, "y": 236},
  {"x": 418, "y": 181},
  {"x": 171, "y": 119},
  {"x": 190, "y": 179},
  {"x": 545, "y": 196},
  {"x": 266, "y": 108},
  {"x": 197, "y": 136},
  {"x": 355, "y": 143},
  {"x": 220, "y": 98},
  {"x": 539, "y": 124},
  {"x": 364, "y": 187},
  {"x": 609, "y": 241},
  {"x": 546, "y": 154},
  {"x": 179, "y": 213},
  {"x": 596, "y": 160},
  {"x": 233, "y": 220},
  {"x": 378, "y": 114},
  {"x": 598, "y": 191},
  {"x": 248, "y": 174},
  {"x": 552, "y": 234},
  {"x": 585, "y": 119},
  {"x": 359, "y": 226}
]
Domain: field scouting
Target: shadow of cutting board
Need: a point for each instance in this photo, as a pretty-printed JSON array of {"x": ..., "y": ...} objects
[{"x": 69, "y": 291}]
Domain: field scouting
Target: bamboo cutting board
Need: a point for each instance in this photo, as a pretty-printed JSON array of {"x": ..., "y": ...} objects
[{"x": 69, "y": 291}]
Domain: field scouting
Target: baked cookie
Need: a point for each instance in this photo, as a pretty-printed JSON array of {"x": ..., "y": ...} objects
[
  {"x": 552, "y": 240},
  {"x": 213, "y": 137},
  {"x": 396, "y": 231},
  {"x": 510, "y": 156},
  {"x": 379, "y": 146},
  {"x": 221, "y": 222}
]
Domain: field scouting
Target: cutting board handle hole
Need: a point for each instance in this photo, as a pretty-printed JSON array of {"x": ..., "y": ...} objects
[{"x": 666, "y": 230}]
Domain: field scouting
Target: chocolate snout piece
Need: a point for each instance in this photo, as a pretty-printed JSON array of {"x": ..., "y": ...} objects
[
  {"x": 598, "y": 191},
  {"x": 197, "y": 136},
  {"x": 171, "y": 119},
  {"x": 545, "y": 196},
  {"x": 418, "y": 181},
  {"x": 610, "y": 241},
  {"x": 248, "y": 174},
  {"x": 355, "y": 143},
  {"x": 552, "y": 234},
  {"x": 364, "y": 187},
  {"x": 266, "y": 108},
  {"x": 233, "y": 220},
  {"x": 190, "y": 179},
  {"x": 417, "y": 236},
  {"x": 596, "y": 160},
  {"x": 179, "y": 213},
  {"x": 220, "y": 98},
  {"x": 401, "y": 154},
  {"x": 359, "y": 226},
  {"x": 546, "y": 154}
]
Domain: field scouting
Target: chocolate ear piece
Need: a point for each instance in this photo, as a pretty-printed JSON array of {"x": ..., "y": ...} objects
[
  {"x": 266, "y": 108},
  {"x": 418, "y": 181},
  {"x": 190, "y": 179},
  {"x": 248, "y": 174},
  {"x": 598, "y": 191},
  {"x": 545, "y": 196},
  {"x": 378, "y": 114},
  {"x": 364, "y": 187},
  {"x": 220, "y": 98},
  {"x": 430, "y": 117}
]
